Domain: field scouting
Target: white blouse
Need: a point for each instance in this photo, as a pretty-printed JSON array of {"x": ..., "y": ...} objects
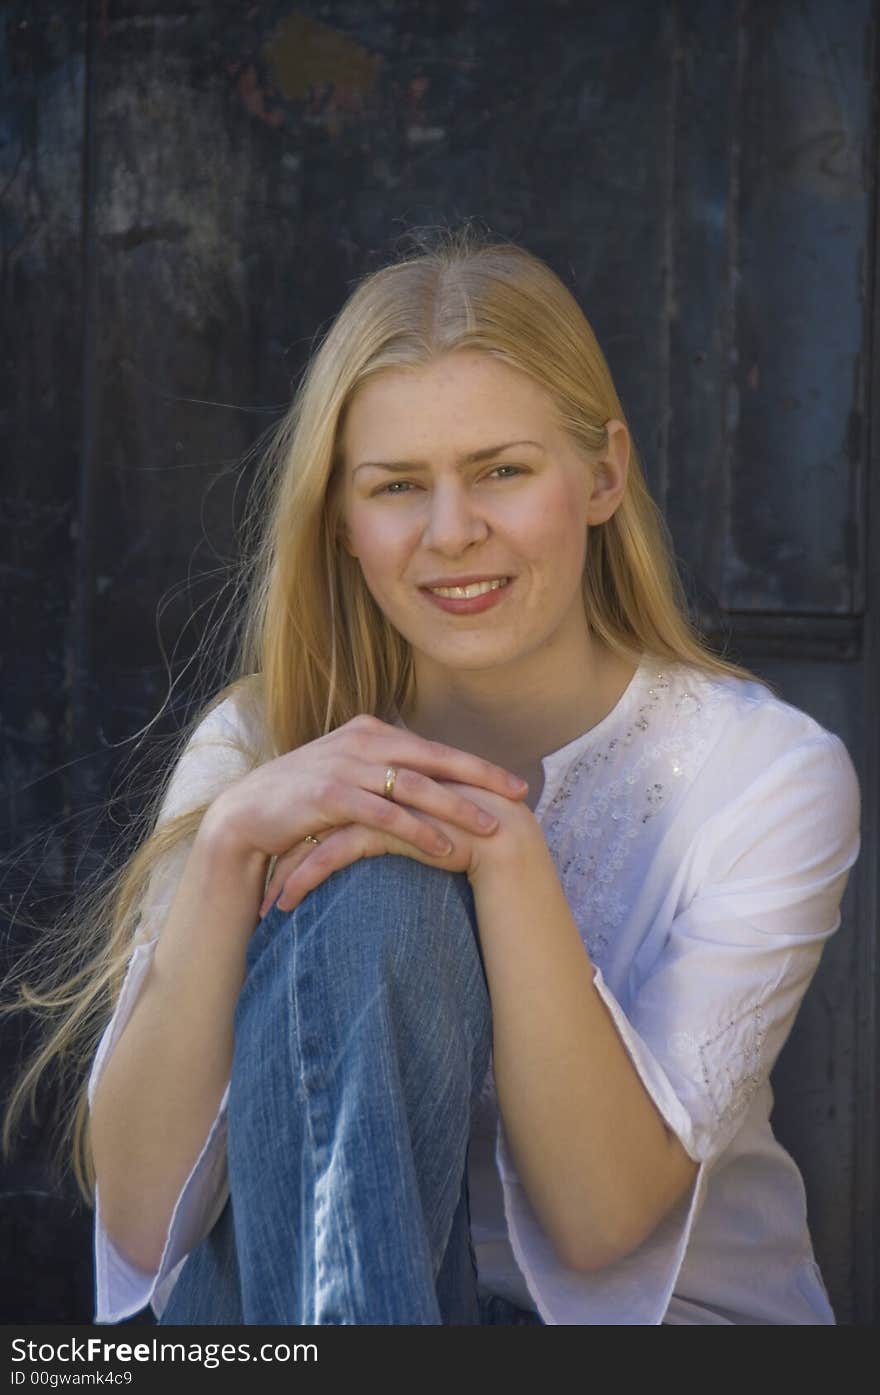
[{"x": 703, "y": 833}]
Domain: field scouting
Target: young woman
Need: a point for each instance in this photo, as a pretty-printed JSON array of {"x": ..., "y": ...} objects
[{"x": 480, "y": 905}]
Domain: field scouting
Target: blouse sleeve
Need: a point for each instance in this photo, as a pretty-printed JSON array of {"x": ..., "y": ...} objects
[
  {"x": 211, "y": 760},
  {"x": 708, "y": 1019},
  {"x": 705, "y": 1020}
]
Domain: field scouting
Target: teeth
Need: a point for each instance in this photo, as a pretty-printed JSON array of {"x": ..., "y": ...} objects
[{"x": 477, "y": 588}]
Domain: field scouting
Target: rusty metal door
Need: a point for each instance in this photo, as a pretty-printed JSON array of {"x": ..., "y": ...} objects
[{"x": 187, "y": 195}]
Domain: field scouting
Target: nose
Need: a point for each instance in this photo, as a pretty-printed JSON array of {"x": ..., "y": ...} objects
[{"x": 454, "y": 521}]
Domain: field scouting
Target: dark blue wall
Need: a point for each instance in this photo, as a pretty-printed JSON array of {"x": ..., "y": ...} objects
[{"x": 188, "y": 192}]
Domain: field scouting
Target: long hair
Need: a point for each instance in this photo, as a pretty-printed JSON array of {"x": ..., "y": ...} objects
[{"x": 312, "y": 649}]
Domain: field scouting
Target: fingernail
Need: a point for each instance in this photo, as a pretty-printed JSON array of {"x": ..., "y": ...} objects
[
  {"x": 516, "y": 783},
  {"x": 486, "y": 820},
  {"x": 443, "y": 845}
]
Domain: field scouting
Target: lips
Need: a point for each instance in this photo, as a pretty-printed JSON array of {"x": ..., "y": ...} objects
[
  {"x": 472, "y": 598},
  {"x": 466, "y": 590}
]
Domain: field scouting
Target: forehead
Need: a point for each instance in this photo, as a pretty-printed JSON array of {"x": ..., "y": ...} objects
[{"x": 459, "y": 399}]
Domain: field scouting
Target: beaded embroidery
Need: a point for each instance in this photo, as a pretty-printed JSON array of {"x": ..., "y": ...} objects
[
  {"x": 609, "y": 795},
  {"x": 729, "y": 1060}
]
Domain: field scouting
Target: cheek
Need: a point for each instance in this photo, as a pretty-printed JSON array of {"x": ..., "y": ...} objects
[
  {"x": 376, "y": 541},
  {"x": 557, "y": 531}
]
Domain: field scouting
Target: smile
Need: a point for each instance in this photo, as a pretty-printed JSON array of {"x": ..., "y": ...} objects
[{"x": 477, "y": 588}]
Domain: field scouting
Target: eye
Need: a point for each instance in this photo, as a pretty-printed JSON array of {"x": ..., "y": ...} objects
[
  {"x": 394, "y": 487},
  {"x": 516, "y": 470}
]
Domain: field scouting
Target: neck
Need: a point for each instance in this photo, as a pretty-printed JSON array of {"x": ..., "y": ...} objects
[{"x": 516, "y": 719}]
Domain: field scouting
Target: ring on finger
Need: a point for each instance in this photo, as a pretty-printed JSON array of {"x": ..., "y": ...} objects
[
  {"x": 310, "y": 838},
  {"x": 390, "y": 777}
]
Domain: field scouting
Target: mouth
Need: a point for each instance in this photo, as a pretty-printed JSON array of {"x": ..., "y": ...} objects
[
  {"x": 470, "y": 597},
  {"x": 470, "y": 590}
]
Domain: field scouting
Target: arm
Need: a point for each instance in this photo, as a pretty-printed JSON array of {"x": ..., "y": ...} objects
[
  {"x": 162, "y": 1086},
  {"x": 704, "y": 1023},
  {"x": 599, "y": 1164}
]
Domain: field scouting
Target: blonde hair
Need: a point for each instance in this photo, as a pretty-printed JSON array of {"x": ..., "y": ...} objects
[{"x": 312, "y": 649}]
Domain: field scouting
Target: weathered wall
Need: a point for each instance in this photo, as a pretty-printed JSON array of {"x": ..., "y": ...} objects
[{"x": 188, "y": 194}]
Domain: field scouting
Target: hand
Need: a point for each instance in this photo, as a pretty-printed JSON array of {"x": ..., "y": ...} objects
[
  {"x": 339, "y": 780},
  {"x": 303, "y": 868}
]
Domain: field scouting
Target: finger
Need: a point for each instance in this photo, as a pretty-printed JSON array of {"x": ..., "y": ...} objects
[
  {"x": 338, "y": 850},
  {"x": 284, "y": 866},
  {"x": 425, "y": 794},
  {"x": 389, "y": 817},
  {"x": 396, "y": 746},
  {"x": 358, "y": 806}
]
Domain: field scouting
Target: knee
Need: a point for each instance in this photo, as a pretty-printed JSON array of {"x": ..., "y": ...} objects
[
  {"x": 387, "y": 933},
  {"x": 379, "y": 886},
  {"x": 391, "y": 912}
]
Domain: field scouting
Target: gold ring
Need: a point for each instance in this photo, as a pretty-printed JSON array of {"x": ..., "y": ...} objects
[
  {"x": 310, "y": 838},
  {"x": 390, "y": 777}
]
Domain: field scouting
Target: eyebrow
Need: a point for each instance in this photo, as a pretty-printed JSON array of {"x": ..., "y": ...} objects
[{"x": 472, "y": 458}]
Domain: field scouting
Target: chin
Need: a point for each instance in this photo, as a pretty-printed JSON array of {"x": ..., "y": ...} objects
[{"x": 474, "y": 661}]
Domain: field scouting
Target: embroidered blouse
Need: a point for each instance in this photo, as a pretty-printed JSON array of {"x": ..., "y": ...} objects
[{"x": 703, "y": 833}]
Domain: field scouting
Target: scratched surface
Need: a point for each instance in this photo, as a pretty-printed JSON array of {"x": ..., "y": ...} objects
[{"x": 188, "y": 194}]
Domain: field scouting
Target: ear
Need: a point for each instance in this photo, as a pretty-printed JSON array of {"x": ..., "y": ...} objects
[{"x": 610, "y": 473}]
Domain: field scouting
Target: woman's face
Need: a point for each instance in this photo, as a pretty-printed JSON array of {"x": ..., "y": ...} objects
[{"x": 458, "y": 475}]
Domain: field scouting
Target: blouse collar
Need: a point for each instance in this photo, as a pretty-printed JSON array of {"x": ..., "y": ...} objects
[{"x": 556, "y": 763}]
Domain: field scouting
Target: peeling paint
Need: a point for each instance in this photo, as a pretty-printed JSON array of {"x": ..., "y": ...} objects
[
  {"x": 304, "y": 54},
  {"x": 253, "y": 95}
]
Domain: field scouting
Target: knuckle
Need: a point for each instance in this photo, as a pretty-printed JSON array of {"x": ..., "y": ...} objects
[{"x": 364, "y": 721}]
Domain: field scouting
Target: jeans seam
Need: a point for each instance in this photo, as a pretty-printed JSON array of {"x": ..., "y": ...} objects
[{"x": 313, "y": 1084}]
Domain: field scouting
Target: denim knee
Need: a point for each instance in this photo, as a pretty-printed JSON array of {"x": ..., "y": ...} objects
[
  {"x": 378, "y": 902},
  {"x": 388, "y": 922}
]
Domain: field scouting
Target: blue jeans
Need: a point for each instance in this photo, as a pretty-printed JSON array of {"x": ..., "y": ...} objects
[{"x": 363, "y": 1034}]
